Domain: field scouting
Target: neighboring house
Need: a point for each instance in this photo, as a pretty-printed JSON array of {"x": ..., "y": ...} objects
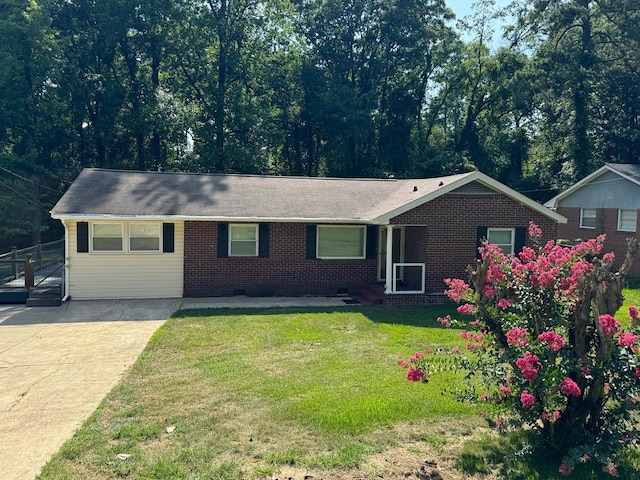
[
  {"x": 148, "y": 234},
  {"x": 607, "y": 201}
]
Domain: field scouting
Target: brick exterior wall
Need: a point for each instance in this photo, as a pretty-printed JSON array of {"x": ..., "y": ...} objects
[
  {"x": 607, "y": 221},
  {"x": 448, "y": 243},
  {"x": 441, "y": 234},
  {"x": 286, "y": 272}
]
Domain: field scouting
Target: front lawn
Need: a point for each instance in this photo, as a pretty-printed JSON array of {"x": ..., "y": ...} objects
[
  {"x": 286, "y": 393},
  {"x": 252, "y": 393}
]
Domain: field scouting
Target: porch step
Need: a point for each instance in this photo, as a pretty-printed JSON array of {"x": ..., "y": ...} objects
[
  {"x": 45, "y": 297},
  {"x": 370, "y": 295}
]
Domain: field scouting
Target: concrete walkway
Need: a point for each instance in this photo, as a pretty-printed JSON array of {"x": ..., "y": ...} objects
[{"x": 58, "y": 363}]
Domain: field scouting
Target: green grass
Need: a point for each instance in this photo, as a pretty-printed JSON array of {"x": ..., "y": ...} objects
[{"x": 252, "y": 391}]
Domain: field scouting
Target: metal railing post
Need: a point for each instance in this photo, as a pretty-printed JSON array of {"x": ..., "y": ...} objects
[
  {"x": 14, "y": 257},
  {"x": 29, "y": 278}
]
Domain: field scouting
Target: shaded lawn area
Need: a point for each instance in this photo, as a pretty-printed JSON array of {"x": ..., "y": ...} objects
[{"x": 250, "y": 392}]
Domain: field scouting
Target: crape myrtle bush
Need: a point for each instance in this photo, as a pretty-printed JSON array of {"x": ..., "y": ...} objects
[{"x": 545, "y": 348}]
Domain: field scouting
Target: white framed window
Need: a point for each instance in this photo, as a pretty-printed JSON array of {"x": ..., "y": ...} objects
[
  {"x": 145, "y": 237},
  {"x": 502, "y": 237},
  {"x": 588, "y": 218},
  {"x": 243, "y": 240},
  {"x": 341, "y": 241},
  {"x": 627, "y": 220},
  {"x": 107, "y": 237}
]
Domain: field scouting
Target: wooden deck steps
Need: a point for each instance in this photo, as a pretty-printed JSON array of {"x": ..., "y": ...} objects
[
  {"x": 50, "y": 296},
  {"x": 371, "y": 295}
]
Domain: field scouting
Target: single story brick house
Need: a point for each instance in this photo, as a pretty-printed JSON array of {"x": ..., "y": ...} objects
[
  {"x": 156, "y": 235},
  {"x": 607, "y": 201}
]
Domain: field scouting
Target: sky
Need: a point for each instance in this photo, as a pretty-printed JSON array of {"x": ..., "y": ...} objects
[{"x": 462, "y": 8}]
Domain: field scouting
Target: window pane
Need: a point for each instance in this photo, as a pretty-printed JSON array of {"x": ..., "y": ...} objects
[
  {"x": 243, "y": 233},
  {"x": 107, "y": 230},
  {"x": 144, "y": 244},
  {"x": 242, "y": 248},
  {"x": 341, "y": 242},
  {"x": 499, "y": 237},
  {"x": 628, "y": 220},
  {"x": 107, "y": 244},
  {"x": 144, "y": 230},
  {"x": 588, "y": 218}
]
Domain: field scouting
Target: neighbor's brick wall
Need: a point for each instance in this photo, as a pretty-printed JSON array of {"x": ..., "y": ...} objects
[
  {"x": 448, "y": 244},
  {"x": 616, "y": 241},
  {"x": 287, "y": 271}
]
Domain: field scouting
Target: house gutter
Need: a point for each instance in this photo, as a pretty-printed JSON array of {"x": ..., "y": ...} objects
[
  {"x": 66, "y": 261},
  {"x": 173, "y": 218}
]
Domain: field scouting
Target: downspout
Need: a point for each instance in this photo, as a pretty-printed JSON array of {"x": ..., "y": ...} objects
[{"x": 66, "y": 261}]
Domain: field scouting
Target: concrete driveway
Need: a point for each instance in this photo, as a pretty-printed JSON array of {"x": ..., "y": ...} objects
[{"x": 57, "y": 364}]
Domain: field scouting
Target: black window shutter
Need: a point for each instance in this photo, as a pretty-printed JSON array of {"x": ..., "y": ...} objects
[
  {"x": 82, "y": 237},
  {"x": 481, "y": 235},
  {"x": 372, "y": 241},
  {"x": 520, "y": 239},
  {"x": 311, "y": 241},
  {"x": 168, "y": 238},
  {"x": 223, "y": 240},
  {"x": 263, "y": 240}
]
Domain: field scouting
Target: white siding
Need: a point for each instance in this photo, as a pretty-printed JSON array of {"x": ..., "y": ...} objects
[{"x": 125, "y": 275}]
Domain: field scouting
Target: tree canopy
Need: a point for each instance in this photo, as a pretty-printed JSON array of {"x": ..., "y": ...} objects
[{"x": 307, "y": 87}]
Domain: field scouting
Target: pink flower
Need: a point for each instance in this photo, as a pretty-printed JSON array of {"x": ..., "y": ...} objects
[
  {"x": 466, "y": 309},
  {"x": 529, "y": 373},
  {"x": 636, "y": 373},
  {"x": 505, "y": 390},
  {"x": 527, "y": 254},
  {"x": 609, "y": 324},
  {"x": 608, "y": 257},
  {"x": 565, "y": 469},
  {"x": 488, "y": 291},
  {"x": 416, "y": 357},
  {"x": 556, "y": 414},
  {"x": 446, "y": 321},
  {"x": 585, "y": 458},
  {"x": 402, "y": 363},
  {"x": 612, "y": 469},
  {"x": 553, "y": 339},
  {"x": 455, "y": 350},
  {"x": 627, "y": 339},
  {"x": 504, "y": 304},
  {"x": 458, "y": 289},
  {"x": 570, "y": 388},
  {"x": 518, "y": 336},
  {"x": 415, "y": 375},
  {"x": 528, "y": 360},
  {"x": 633, "y": 313},
  {"x": 527, "y": 399},
  {"x": 534, "y": 230}
]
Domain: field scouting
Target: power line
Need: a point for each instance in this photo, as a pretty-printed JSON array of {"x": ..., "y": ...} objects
[{"x": 27, "y": 179}]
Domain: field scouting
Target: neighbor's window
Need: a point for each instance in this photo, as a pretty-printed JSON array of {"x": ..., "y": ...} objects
[
  {"x": 502, "y": 237},
  {"x": 107, "y": 237},
  {"x": 627, "y": 220},
  {"x": 144, "y": 237},
  {"x": 243, "y": 240},
  {"x": 588, "y": 218},
  {"x": 341, "y": 241}
]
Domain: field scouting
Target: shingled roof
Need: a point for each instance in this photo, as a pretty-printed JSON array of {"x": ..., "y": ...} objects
[{"x": 98, "y": 193}]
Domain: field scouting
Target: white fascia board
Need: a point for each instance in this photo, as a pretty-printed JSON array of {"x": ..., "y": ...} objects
[
  {"x": 168, "y": 218},
  {"x": 480, "y": 178},
  {"x": 553, "y": 203}
]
